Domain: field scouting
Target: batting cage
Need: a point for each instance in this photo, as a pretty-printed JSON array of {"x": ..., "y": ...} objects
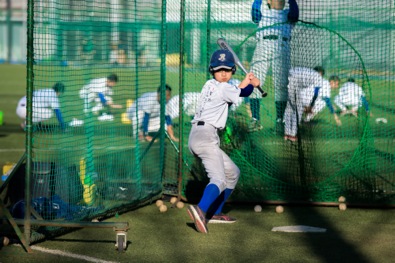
[{"x": 112, "y": 71}]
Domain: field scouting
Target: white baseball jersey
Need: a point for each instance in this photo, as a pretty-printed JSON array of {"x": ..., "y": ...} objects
[
  {"x": 213, "y": 103},
  {"x": 271, "y": 17},
  {"x": 146, "y": 103},
  {"x": 45, "y": 101},
  {"x": 190, "y": 102},
  {"x": 90, "y": 92},
  {"x": 350, "y": 94}
]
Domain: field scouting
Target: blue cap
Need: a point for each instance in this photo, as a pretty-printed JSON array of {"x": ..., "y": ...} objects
[{"x": 222, "y": 59}]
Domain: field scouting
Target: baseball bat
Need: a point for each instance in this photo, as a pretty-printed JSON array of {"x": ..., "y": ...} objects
[{"x": 224, "y": 45}]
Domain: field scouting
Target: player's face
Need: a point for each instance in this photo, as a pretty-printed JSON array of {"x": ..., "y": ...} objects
[
  {"x": 168, "y": 96},
  {"x": 276, "y": 4},
  {"x": 111, "y": 83},
  {"x": 223, "y": 75},
  {"x": 334, "y": 84}
]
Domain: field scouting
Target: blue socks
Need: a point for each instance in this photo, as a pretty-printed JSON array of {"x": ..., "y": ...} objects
[
  {"x": 221, "y": 200},
  {"x": 209, "y": 196},
  {"x": 213, "y": 201}
]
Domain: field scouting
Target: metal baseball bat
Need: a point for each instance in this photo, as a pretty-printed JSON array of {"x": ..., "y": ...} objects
[{"x": 224, "y": 45}]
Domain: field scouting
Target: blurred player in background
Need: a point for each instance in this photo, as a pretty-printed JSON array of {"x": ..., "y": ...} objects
[
  {"x": 45, "y": 104},
  {"x": 145, "y": 115},
  {"x": 190, "y": 101},
  {"x": 211, "y": 115},
  {"x": 351, "y": 96},
  {"x": 304, "y": 85},
  {"x": 272, "y": 51},
  {"x": 99, "y": 92},
  {"x": 315, "y": 99}
]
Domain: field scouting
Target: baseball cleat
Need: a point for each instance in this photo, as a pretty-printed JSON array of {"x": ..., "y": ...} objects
[
  {"x": 198, "y": 217},
  {"x": 254, "y": 125},
  {"x": 221, "y": 219}
]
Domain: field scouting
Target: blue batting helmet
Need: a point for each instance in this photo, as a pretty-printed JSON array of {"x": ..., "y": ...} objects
[{"x": 222, "y": 59}]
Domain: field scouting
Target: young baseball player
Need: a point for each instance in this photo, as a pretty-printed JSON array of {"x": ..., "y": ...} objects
[
  {"x": 272, "y": 51},
  {"x": 351, "y": 95},
  {"x": 45, "y": 104},
  {"x": 301, "y": 78},
  {"x": 146, "y": 120},
  {"x": 99, "y": 92},
  {"x": 211, "y": 115}
]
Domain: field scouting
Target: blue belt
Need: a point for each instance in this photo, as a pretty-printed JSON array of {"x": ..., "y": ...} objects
[
  {"x": 274, "y": 37},
  {"x": 200, "y": 123}
]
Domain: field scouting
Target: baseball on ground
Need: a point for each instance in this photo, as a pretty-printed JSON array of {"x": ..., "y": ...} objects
[
  {"x": 342, "y": 207},
  {"x": 180, "y": 204},
  {"x": 279, "y": 209},
  {"x": 173, "y": 200},
  {"x": 6, "y": 241},
  {"x": 258, "y": 208},
  {"x": 159, "y": 203},
  {"x": 163, "y": 208}
]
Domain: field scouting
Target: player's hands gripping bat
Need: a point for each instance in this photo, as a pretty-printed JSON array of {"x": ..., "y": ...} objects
[{"x": 224, "y": 45}]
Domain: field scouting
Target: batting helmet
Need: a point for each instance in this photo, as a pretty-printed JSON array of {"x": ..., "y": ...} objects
[{"x": 222, "y": 59}]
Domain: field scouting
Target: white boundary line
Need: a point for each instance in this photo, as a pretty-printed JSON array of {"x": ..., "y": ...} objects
[{"x": 70, "y": 255}]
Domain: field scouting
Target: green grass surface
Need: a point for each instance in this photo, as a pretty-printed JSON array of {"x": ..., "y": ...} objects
[
  {"x": 12, "y": 88},
  {"x": 354, "y": 235}
]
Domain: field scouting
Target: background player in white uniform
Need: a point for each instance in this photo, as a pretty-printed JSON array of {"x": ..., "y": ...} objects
[
  {"x": 272, "y": 50},
  {"x": 99, "y": 92},
  {"x": 301, "y": 78},
  {"x": 316, "y": 98},
  {"x": 351, "y": 95},
  {"x": 147, "y": 118},
  {"x": 211, "y": 115},
  {"x": 45, "y": 104}
]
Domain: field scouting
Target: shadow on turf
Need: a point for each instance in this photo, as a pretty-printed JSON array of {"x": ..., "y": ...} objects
[
  {"x": 85, "y": 240},
  {"x": 7, "y": 129}
]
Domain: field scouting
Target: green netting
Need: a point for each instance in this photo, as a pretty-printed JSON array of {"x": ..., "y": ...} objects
[{"x": 102, "y": 166}]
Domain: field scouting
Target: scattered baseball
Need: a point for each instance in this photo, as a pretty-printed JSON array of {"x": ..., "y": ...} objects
[
  {"x": 258, "y": 208},
  {"x": 341, "y": 199},
  {"x": 163, "y": 208},
  {"x": 159, "y": 203},
  {"x": 180, "y": 204},
  {"x": 381, "y": 120},
  {"x": 6, "y": 241},
  {"x": 173, "y": 200},
  {"x": 342, "y": 206},
  {"x": 75, "y": 122},
  {"x": 95, "y": 220},
  {"x": 279, "y": 209}
]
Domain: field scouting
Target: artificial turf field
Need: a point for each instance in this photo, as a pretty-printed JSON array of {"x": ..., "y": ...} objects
[{"x": 355, "y": 235}]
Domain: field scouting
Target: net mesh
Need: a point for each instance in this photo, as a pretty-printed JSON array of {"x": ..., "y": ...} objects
[{"x": 100, "y": 164}]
